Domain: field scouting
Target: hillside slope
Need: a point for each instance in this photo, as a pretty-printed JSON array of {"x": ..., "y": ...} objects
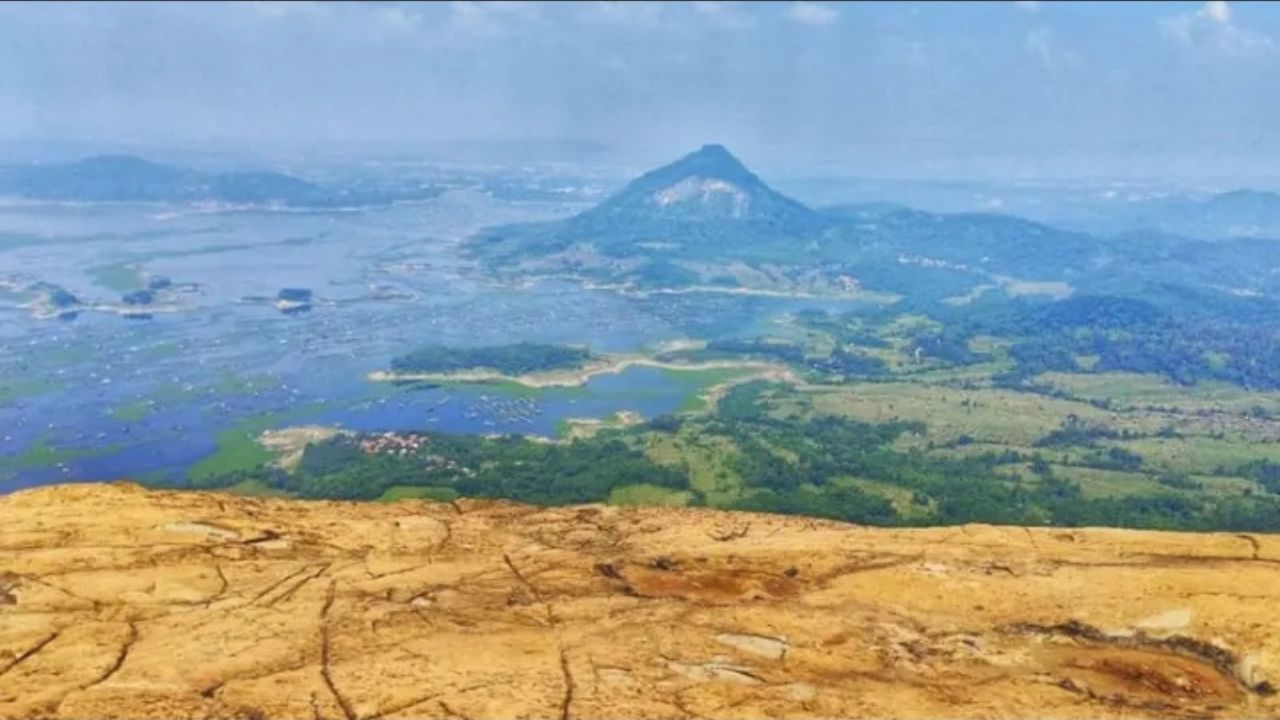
[{"x": 120, "y": 602}]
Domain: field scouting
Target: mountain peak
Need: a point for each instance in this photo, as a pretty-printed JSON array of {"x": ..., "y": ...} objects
[
  {"x": 716, "y": 151},
  {"x": 708, "y": 184},
  {"x": 710, "y": 161}
]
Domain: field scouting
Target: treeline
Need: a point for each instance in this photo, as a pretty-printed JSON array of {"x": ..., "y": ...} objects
[
  {"x": 820, "y": 466},
  {"x": 1185, "y": 353},
  {"x": 1086, "y": 333},
  {"x": 585, "y": 470},
  {"x": 516, "y": 359},
  {"x": 839, "y": 362},
  {"x": 804, "y": 467}
]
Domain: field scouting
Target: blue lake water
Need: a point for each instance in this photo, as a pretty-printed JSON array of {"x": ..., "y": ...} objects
[{"x": 118, "y": 398}]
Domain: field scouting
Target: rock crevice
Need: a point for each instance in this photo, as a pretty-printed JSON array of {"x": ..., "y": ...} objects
[{"x": 138, "y": 604}]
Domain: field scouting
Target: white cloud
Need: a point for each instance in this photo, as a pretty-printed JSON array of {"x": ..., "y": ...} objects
[
  {"x": 1217, "y": 10},
  {"x": 812, "y": 13},
  {"x": 1211, "y": 32},
  {"x": 1028, "y": 5},
  {"x": 621, "y": 14},
  {"x": 395, "y": 20},
  {"x": 709, "y": 7},
  {"x": 1042, "y": 44},
  {"x": 487, "y": 19},
  {"x": 723, "y": 12}
]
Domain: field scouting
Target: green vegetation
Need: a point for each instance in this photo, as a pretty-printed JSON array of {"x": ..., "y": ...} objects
[
  {"x": 696, "y": 383},
  {"x": 121, "y": 277},
  {"x": 769, "y": 447},
  {"x": 1096, "y": 410},
  {"x": 239, "y": 450},
  {"x": 132, "y": 411},
  {"x": 12, "y": 390},
  {"x": 229, "y": 383},
  {"x": 41, "y": 454},
  {"x": 516, "y": 359},
  {"x": 584, "y": 470}
]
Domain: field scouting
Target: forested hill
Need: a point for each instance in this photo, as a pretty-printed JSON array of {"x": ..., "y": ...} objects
[
  {"x": 125, "y": 178},
  {"x": 705, "y": 220}
]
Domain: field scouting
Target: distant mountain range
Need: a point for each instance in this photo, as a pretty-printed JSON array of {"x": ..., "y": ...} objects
[
  {"x": 705, "y": 221},
  {"x": 125, "y": 178},
  {"x": 1233, "y": 214}
]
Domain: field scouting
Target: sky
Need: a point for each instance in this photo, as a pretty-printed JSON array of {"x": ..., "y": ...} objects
[{"x": 947, "y": 90}]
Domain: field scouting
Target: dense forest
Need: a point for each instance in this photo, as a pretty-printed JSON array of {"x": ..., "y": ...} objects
[
  {"x": 1084, "y": 333},
  {"x": 515, "y": 359}
]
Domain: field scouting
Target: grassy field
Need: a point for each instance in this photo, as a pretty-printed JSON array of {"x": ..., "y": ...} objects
[
  {"x": 1206, "y": 431},
  {"x": 708, "y": 459},
  {"x": 984, "y": 415},
  {"x": 899, "y": 497},
  {"x": 1201, "y": 455},
  {"x": 1098, "y": 483},
  {"x": 1130, "y": 390}
]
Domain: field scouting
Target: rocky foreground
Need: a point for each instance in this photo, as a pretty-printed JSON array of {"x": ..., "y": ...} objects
[{"x": 120, "y": 602}]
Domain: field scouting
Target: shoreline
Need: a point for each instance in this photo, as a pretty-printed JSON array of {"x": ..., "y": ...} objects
[
  {"x": 876, "y": 297},
  {"x": 576, "y": 377}
]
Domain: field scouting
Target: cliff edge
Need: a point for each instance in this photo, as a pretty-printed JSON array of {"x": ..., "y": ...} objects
[{"x": 118, "y": 602}]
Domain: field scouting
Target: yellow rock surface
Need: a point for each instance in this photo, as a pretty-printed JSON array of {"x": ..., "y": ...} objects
[{"x": 121, "y": 602}]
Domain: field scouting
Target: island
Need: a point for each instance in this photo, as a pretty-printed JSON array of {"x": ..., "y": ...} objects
[
  {"x": 514, "y": 359},
  {"x": 138, "y": 297},
  {"x": 536, "y": 365},
  {"x": 293, "y": 300}
]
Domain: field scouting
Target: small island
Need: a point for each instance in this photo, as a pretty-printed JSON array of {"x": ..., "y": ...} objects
[
  {"x": 536, "y": 365},
  {"x": 515, "y": 359},
  {"x": 54, "y": 301},
  {"x": 291, "y": 301},
  {"x": 138, "y": 297}
]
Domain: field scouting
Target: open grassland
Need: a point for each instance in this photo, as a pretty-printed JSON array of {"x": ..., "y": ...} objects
[
  {"x": 984, "y": 415},
  {"x": 1134, "y": 390},
  {"x": 1205, "y": 431},
  {"x": 1203, "y": 455},
  {"x": 708, "y": 458}
]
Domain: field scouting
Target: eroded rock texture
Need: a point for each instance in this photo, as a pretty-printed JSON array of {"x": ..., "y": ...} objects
[{"x": 120, "y": 602}]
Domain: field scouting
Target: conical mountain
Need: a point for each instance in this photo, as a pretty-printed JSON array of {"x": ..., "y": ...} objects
[
  {"x": 708, "y": 185},
  {"x": 705, "y": 208}
]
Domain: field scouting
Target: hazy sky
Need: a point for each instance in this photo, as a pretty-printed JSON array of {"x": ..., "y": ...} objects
[{"x": 911, "y": 89}]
